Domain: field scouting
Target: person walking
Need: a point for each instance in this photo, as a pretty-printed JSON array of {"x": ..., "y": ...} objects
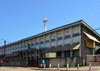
[{"x": 1, "y": 63}]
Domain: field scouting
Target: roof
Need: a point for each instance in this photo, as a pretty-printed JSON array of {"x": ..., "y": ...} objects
[
  {"x": 91, "y": 37},
  {"x": 56, "y": 29}
]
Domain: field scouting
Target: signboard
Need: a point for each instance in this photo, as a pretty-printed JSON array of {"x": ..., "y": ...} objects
[{"x": 50, "y": 55}]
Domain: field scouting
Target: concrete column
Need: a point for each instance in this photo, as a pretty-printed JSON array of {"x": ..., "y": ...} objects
[
  {"x": 30, "y": 57},
  {"x": 71, "y": 33},
  {"x": 13, "y": 56},
  {"x": 23, "y": 55},
  {"x": 43, "y": 55},
  {"x": 80, "y": 40},
  {"x": 26, "y": 45},
  {"x": 34, "y": 57},
  {"x": 36, "y": 54},
  {"x": 45, "y": 41},
  {"x": 56, "y": 39},
  {"x": 19, "y": 56},
  {"x": 62, "y": 54},
  {"x": 63, "y": 37},
  {"x": 39, "y": 41},
  {"x": 30, "y": 43},
  {"x": 93, "y": 47},
  {"x": 49, "y": 40},
  {"x": 39, "y": 54},
  {"x": 26, "y": 54},
  {"x": 35, "y": 42},
  {"x": 30, "y": 54}
]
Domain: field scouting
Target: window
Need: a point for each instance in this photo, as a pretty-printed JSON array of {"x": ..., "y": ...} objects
[
  {"x": 28, "y": 53},
  {"x": 37, "y": 52},
  {"x": 47, "y": 41},
  {"x": 67, "y": 36},
  {"x": 41, "y": 42},
  {"x": 59, "y": 33},
  {"x": 67, "y": 32},
  {"x": 67, "y": 45},
  {"x": 67, "y": 53},
  {"x": 75, "y": 43},
  {"x": 36, "y": 43},
  {"x": 32, "y": 44},
  {"x": 59, "y": 38},
  {"x": 32, "y": 52},
  {"x": 25, "y": 45},
  {"x": 52, "y": 46},
  {"x": 59, "y": 54},
  {"x": 52, "y": 40},
  {"x": 75, "y": 53},
  {"x": 76, "y": 34},
  {"x": 47, "y": 47},
  {"x": 59, "y": 46},
  {"x": 28, "y": 46}
]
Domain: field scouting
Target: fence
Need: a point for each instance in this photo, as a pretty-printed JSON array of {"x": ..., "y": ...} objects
[{"x": 15, "y": 62}]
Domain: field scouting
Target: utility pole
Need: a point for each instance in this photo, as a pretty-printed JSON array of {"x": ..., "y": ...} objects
[{"x": 4, "y": 47}]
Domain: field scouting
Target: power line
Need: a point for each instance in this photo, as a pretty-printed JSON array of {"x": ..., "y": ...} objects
[{"x": 97, "y": 29}]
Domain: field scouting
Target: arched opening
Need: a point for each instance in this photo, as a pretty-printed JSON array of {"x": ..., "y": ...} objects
[{"x": 98, "y": 51}]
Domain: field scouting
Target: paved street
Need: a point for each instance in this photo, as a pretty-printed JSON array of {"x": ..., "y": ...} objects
[{"x": 94, "y": 68}]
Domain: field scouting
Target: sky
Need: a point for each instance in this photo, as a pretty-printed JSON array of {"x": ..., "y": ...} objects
[{"x": 24, "y": 18}]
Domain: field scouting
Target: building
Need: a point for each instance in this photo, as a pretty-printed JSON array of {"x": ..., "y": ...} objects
[{"x": 70, "y": 43}]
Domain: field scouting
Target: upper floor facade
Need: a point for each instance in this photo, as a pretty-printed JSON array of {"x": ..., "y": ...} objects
[{"x": 61, "y": 36}]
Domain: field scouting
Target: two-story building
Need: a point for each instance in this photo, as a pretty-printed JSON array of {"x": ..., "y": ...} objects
[{"x": 66, "y": 44}]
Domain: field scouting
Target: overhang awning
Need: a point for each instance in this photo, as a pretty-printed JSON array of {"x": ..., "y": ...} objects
[
  {"x": 76, "y": 47},
  {"x": 9, "y": 55},
  {"x": 12, "y": 55},
  {"x": 46, "y": 50},
  {"x": 91, "y": 37},
  {"x": 65, "y": 48}
]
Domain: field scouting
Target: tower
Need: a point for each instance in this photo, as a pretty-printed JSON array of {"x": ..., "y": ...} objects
[{"x": 45, "y": 24}]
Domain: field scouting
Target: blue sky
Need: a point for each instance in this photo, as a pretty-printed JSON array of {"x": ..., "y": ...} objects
[{"x": 23, "y": 18}]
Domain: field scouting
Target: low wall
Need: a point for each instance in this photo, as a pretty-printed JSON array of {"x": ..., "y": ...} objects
[
  {"x": 93, "y": 59},
  {"x": 61, "y": 61},
  {"x": 16, "y": 62}
]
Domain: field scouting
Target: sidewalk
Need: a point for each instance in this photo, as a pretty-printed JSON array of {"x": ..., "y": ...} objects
[{"x": 94, "y": 68}]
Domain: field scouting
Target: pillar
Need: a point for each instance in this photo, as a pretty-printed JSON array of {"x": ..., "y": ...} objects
[
  {"x": 93, "y": 47},
  {"x": 26, "y": 54},
  {"x": 45, "y": 41},
  {"x": 56, "y": 39},
  {"x": 30, "y": 54},
  {"x": 80, "y": 40},
  {"x": 49, "y": 40},
  {"x": 62, "y": 54},
  {"x": 63, "y": 38},
  {"x": 30, "y": 57},
  {"x": 71, "y": 33},
  {"x": 23, "y": 55}
]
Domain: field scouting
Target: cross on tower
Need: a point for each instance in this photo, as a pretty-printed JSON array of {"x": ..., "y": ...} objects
[{"x": 45, "y": 25}]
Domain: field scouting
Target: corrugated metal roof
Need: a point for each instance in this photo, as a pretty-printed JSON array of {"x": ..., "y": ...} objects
[{"x": 91, "y": 37}]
